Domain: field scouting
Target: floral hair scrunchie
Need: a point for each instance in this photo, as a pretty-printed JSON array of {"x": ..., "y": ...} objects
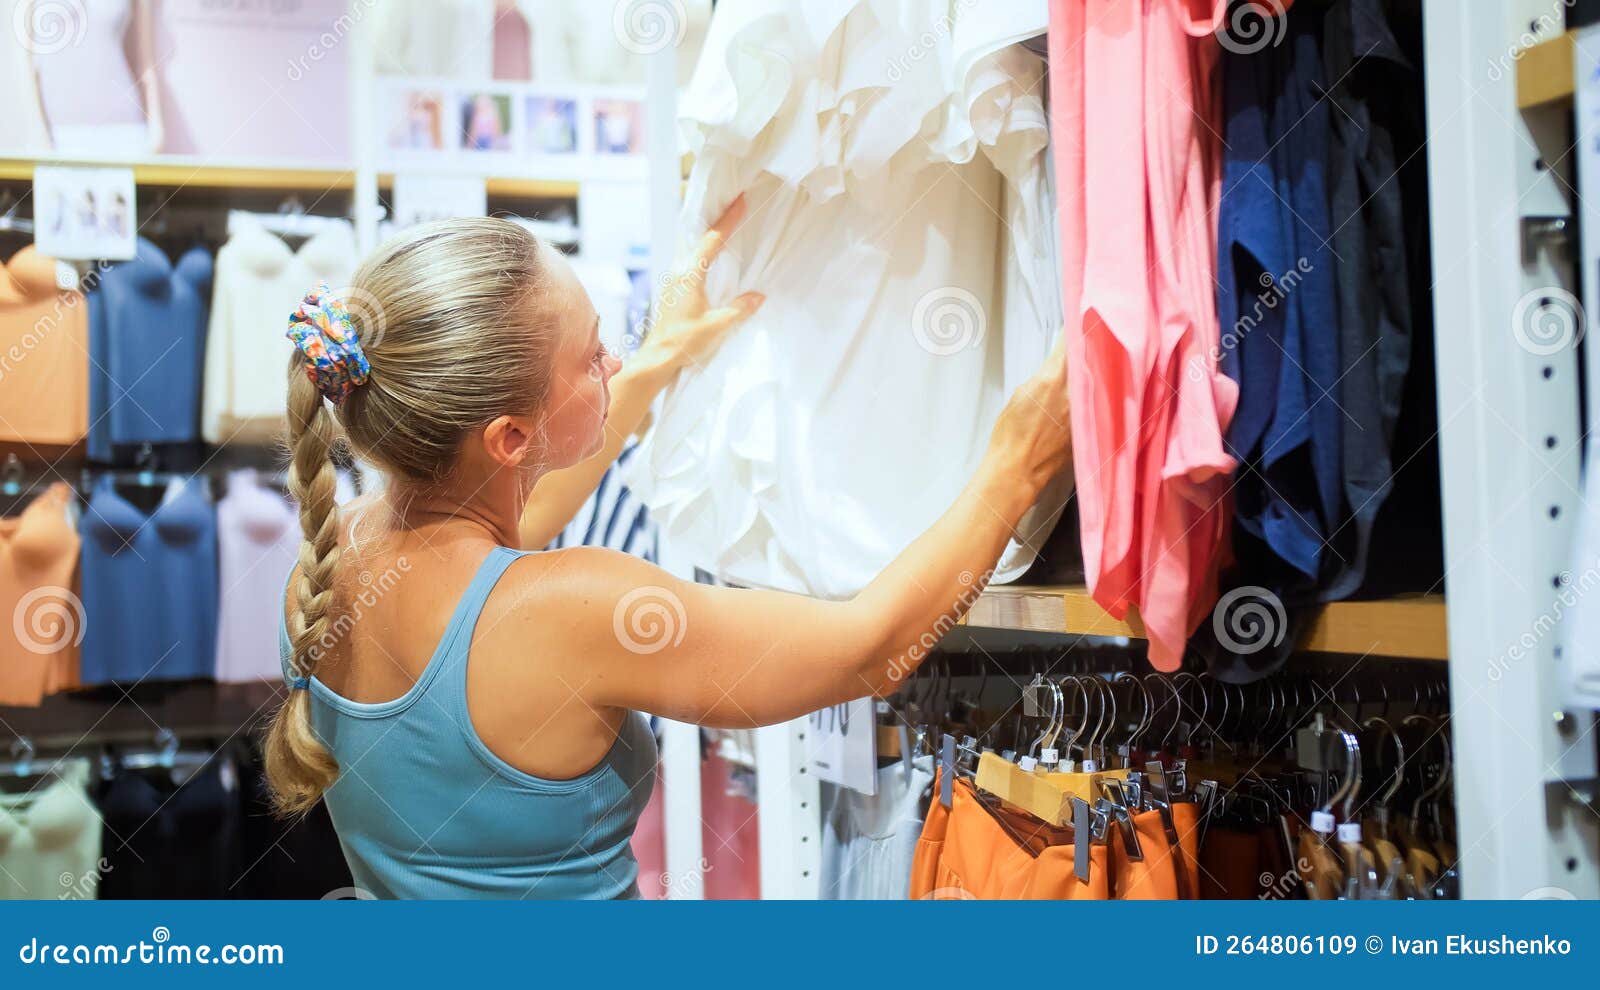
[{"x": 323, "y": 331}]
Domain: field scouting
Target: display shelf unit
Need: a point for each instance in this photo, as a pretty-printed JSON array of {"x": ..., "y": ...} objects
[
  {"x": 1500, "y": 86},
  {"x": 1412, "y": 627}
]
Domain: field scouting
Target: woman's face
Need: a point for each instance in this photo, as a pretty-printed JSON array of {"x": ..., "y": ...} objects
[{"x": 575, "y": 417}]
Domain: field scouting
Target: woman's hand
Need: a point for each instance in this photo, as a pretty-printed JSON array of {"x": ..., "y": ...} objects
[
  {"x": 684, "y": 329},
  {"x": 1032, "y": 440}
]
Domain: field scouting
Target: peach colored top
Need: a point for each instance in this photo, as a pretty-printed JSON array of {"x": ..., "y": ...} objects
[
  {"x": 43, "y": 618},
  {"x": 44, "y": 354},
  {"x": 1134, "y": 119}
]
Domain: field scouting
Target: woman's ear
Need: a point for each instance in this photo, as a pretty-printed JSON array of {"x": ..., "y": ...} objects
[{"x": 508, "y": 439}]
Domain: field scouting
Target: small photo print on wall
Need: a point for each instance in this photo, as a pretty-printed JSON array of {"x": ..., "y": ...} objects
[
  {"x": 552, "y": 125},
  {"x": 618, "y": 127},
  {"x": 485, "y": 122},
  {"x": 418, "y": 121}
]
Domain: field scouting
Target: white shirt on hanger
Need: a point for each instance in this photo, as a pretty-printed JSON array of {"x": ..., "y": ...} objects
[
  {"x": 843, "y": 418},
  {"x": 259, "y": 281}
]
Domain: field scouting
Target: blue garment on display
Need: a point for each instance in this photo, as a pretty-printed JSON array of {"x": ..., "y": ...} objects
[
  {"x": 149, "y": 586},
  {"x": 424, "y": 809},
  {"x": 1277, "y": 303},
  {"x": 147, "y": 331}
]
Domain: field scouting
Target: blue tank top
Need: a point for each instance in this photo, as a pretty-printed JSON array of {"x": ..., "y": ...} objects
[
  {"x": 423, "y": 809},
  {"x": 149, "y": 582},
  {"x": 147, "y": 333}
]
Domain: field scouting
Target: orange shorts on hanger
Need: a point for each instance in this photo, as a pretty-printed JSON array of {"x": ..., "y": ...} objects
[
  {"x": 980, "y": 859},
  {"x": 925, "y": 859},
  {"x": 1155, "y": 877}
]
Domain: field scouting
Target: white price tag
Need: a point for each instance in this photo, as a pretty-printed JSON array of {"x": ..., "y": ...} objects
[
  {"x": 1350, "y": 833},
  {"x": 1027, "y": 763},
  {"x": 84, "y": 214},
  {"x": 421, "y": 198},
  {"x": 1322, "y": 821},
  {"x": 1090, "y": 766},
  {"x": 1051, "y": 756},
  {"x": 842, "y": 745}
]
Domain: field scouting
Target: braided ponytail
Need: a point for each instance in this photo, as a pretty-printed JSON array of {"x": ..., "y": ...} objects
[{"x": 299, "y": 768}]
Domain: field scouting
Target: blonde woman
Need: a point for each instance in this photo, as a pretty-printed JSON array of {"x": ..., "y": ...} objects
[{"x": 470, "y": 710}]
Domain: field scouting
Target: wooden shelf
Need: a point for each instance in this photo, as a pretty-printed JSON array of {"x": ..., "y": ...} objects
[
  {"x": 1545, "y": 74},
  {"x": 186, "y": 174},
  {"x": 180, "y": 174},
  {"x": 519, "y": 188},
  {"x": 1412, "y": 628}
]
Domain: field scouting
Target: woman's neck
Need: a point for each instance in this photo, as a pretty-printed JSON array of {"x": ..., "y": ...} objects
[{"x": 481, "y": 510}]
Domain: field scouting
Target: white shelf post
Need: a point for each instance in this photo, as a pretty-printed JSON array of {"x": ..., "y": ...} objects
[{"x": 1509, "y": 447}]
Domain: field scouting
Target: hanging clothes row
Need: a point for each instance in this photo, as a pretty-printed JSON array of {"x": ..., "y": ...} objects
[
  {"x": 1215, "y": 808},
  {"x": 169, "y": 819},
  {"x": 89, "y": 578},
  {"x": 1120, "y": 786},
  {"x": 1323, "y": 268}
]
